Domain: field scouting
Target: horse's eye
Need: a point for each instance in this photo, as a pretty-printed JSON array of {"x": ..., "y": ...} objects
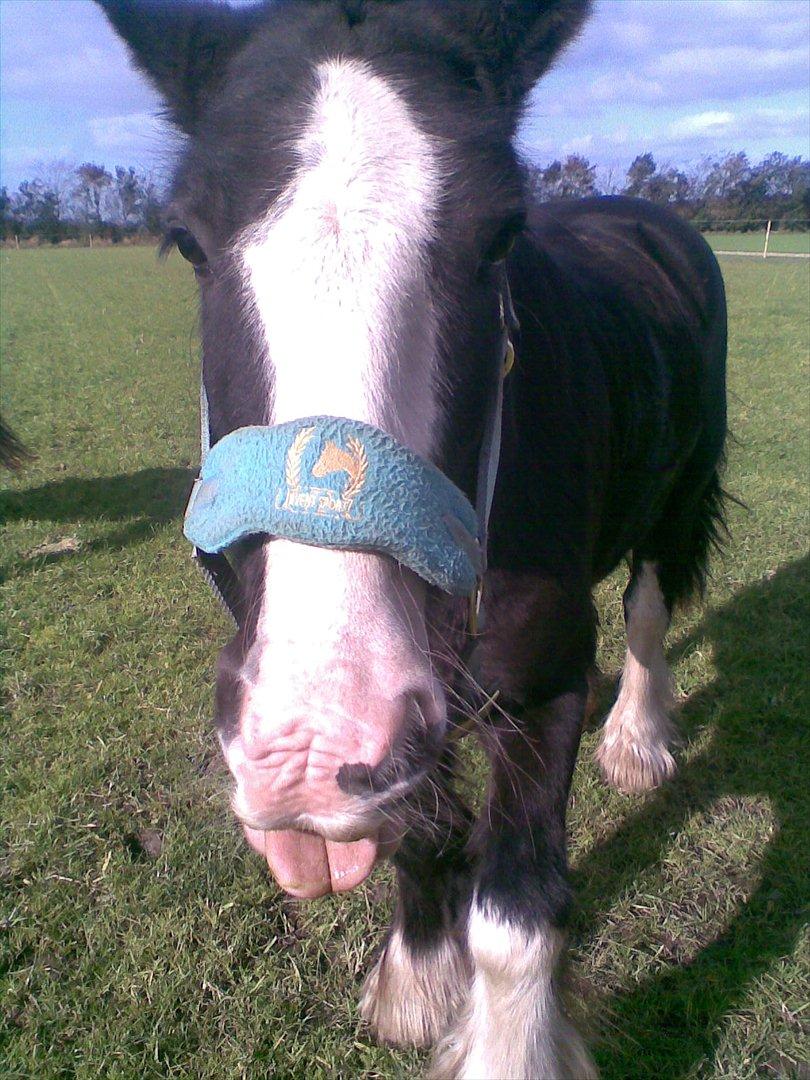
[
  {"x": 186, "y": 243},
  {"x": 504, "y": 239}
]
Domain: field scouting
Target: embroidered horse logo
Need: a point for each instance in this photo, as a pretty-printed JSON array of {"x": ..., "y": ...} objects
[{"x": 353, "y": 461}]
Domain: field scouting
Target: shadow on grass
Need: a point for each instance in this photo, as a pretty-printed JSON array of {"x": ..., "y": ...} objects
[
  {"x": 671, "y": 1022},
  {"x": 156, "y": 494},
  {"x": 142, "y": 499}
]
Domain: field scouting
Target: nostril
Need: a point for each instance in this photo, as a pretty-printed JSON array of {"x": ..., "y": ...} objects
[
  {"x": 357, "y": 778},
  {"x": 426, "y": 711},
  {"x": 415, "y": 750}
]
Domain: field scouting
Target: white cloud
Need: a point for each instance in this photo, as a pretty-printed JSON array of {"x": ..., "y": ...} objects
[
  {"x": 73, "y": 69},
  {"x": 27, "y": 155},
  {"x": 687, "y": 63},
  {"x": 681, "y": 78},
  {"x": 757, "y": 123},
  {"x": 780, "y": 124},
  {"x": 702, "y": 124},
  {"x": 626, "y": 86},
  {"x": 578, "y": 145},
  {"x": 724, "y": 129},
  {"x": 706, "y": 73},
  {"x": 620, "y": 136},
  {"x": 633, "y": 34},
  {"x": 129, "y": 131}
]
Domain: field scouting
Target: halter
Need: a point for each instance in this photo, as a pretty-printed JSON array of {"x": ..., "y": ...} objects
[{"x": 333, "y": 482}]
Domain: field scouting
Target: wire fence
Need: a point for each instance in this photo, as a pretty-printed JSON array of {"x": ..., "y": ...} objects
[
  {"x": 760, "y": 239},
  {"x": 734, "y": 224}
]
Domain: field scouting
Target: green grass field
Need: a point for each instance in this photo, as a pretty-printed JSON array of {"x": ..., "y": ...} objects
[
  {"x": 138, "y": 935},
  {"x": 778, "y": 243}
]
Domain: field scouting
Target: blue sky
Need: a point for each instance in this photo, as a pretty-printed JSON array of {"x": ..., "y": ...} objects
[{"x": 683, "y": 78}]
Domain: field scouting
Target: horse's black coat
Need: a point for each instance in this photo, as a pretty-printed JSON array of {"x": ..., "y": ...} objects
[
  {"x": 614, "y": 418},
  {"x": 619, "y": 399},
  {"x": 13, "y": 453}
]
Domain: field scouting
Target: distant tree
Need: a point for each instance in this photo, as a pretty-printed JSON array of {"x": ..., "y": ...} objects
[
  {"x": 612, "y": 182},
  {"x": 669, "y": 186},
  {"x": 801, "y": 193},
  {"x": 664, "y": 186},
  {"x": 60, "y": 177},
  {"x": 130, "y": 193},
  {"x": 574, "y": 178},
  {"x": 91, "y": 183},
  {"x": 778, "y": 174},
  {"x": 731, "y": 192},
  {"x": 727, "y": 176},
  {"x": 36, "y": 208},
  {"x": 6, "y": 214},
  {"x": 546, "y": 181},
  {"x": 152, "y": 207},
  {"x": 784, "y": 186},
  {"x": 641, "y": 171},
  {"x": 578, "y": 178}
]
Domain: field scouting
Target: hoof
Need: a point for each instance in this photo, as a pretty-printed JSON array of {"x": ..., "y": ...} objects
[
  {"x": 411, "y": 996},
  {"x": 462, "y": 1055},
  {"x": 632, "y": 766}
]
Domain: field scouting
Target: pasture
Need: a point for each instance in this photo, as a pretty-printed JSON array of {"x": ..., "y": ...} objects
[
  {"x": 139, "y": 937},
  {"x": 779, "y": 243}
]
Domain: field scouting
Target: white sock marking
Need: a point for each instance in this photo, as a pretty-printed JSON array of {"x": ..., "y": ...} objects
[
  {"x": 512, "y": 1026},
  {"x": 633, "y": 749}
]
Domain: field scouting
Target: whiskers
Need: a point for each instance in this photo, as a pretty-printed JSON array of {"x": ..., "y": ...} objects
[
  {"x": 427, "y": 812},
  {"x": 498, "y": 731}
]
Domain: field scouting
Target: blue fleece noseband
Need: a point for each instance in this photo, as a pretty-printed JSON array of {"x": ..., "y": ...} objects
[{"x": 333, "y": 482}]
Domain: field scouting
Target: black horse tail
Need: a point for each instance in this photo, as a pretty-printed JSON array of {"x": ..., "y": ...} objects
[{"x": 13, "y": 453}]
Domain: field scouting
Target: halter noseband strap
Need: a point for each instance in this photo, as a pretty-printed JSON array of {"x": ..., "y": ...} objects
[{"x": 250, "y": 482}]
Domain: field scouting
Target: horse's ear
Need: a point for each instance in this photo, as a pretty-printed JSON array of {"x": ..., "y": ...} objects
[
  {"x": 182, "y": 46},
  {"x": 516, "y": 41}
]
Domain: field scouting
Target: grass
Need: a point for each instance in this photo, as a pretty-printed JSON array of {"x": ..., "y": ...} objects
[
  {"x": 779, "y": 242},
  {"x": 138, "y": 935}
]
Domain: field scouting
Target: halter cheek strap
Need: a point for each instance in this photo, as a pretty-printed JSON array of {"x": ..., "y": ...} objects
[
  {"x": 490, "y": 453},
  {"x": 335, "y": 482}
]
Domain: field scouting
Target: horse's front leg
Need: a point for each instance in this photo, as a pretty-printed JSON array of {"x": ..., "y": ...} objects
[
  {"x": 421, "y": 976},
  {"x": 512, "y": 1025}
]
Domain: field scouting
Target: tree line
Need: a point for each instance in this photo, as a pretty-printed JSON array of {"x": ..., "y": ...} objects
[
  {"x": 726, "y": 193},
  {"x": 76, "y": 203},
  {"x": 65, "y": 202}
]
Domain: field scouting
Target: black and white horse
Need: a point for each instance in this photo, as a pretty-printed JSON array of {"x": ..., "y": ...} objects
[{"x": 349, "y": 197}]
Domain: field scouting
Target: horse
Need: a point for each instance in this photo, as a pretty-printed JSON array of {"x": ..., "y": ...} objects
[
  {"x": 372, "y": 267},
  {"x": 13, "y": 452}
]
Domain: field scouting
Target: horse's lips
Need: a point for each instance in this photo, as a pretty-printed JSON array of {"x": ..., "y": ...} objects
[{"x": 307, "y": 866}]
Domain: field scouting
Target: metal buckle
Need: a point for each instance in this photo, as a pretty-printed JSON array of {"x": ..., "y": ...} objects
[{"x": 475, "y": 608}]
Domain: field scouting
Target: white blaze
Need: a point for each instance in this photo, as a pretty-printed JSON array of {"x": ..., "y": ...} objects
[
  {"x": 336, "y": 278},
  {"x": 336, "y": 272}
]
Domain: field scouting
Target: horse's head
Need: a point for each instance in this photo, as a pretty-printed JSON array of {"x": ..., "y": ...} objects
[{"x": 346, "y": 194}]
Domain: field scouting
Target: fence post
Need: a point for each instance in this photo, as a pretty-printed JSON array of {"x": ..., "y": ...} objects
[{"x": 767, "y": 238}]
